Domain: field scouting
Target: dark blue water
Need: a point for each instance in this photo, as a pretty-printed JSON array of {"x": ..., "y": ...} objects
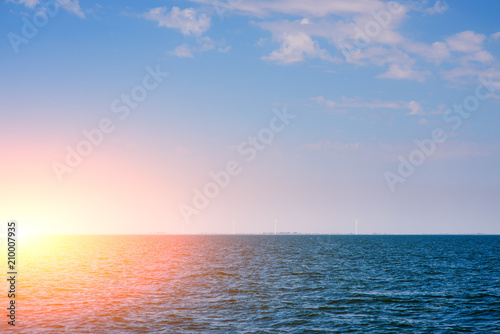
[{"x": 265, "y": 284}]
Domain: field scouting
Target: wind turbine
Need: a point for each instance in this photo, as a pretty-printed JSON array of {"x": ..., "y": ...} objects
[
  {"x": 275, "y": 222},
  {"x": 356, "y": 223},
  {"x": 233, "y": 225}
]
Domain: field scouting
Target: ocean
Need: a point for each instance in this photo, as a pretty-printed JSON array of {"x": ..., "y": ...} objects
[{"x": 258, "y": 284}]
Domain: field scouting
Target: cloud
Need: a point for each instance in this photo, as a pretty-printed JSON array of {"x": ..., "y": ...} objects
[
  {"x": 380, "y": 56},
  {"x": 415, "y": 108},
  {"x": 466, "y": 41},
  {"x": 317, "y": 8},
  {"x": 182, "y": 51},
  {"x": 205, "y": 44},
  {"x": 261, "y": 42},
  {"x": 466, "y": 46},
  {"x": 482, "y": 56},
  {"x": 224, "y": 49},
  {"x": 297, "y": 42},
  {"x": 399, "y": 72},
  {"x": 27, "y": 3},
  {"x": 188, "y": 21},
  {"x": 295, "y": 47},
  {"x": 356, "y": 103},
  {"x": 438, "y": 8},
  {"x": 321, "y": 100},
  {"x": 382, "y": 46},
  {"x": 472, "y": 56},
  {"x": 376, "y": 104},
  {"x": 365, "y": 32},
  {"x": 435, "y": 53},
  {"x": 72, "y": 6},
  {"x": 457, "y": 74}
]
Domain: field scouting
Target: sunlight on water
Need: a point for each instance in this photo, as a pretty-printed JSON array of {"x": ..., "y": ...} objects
[
  {"x": 80, "y": 278},
  {"x": 186, "y": 284}
]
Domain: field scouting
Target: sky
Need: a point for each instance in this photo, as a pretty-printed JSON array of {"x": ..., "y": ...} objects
[{"x": 191, "y": 116}]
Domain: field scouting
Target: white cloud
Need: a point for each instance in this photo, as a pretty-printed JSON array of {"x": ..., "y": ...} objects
[
  {"x": 27, "y": 3},
  {"x": 459, "y": 73},
  {"x": 482, "y": 56},
  {"x": 206, "y": 43},
  {"x": 399, "y": 72},
  {"x": 472, "y": 56},
  {"x": 261, "y": 42},
  {"x": 295, "y": 47},
  {"x": 182, "y": 51},
  {"x": 318, "y": 8},
  {"x": 466, "y": 41},
  {"x": 380, "y": 56},
  {"x": 496, "y": 35},
  {"x": 415, "y": 108},
  {"x": 356, "y": 103},
  {"x": 364, "y": 31},
  {"x": 72, "y": 6},
  {"x": 191, "y": 23},
  {"x": 438, "y": 8},
  {"x": 321, "y": 100},
  {"x": 435, "y": 53},
  {"x": 188, "y": 21}
]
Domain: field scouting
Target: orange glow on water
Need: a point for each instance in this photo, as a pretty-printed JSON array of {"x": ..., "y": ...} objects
[{"x": 82, "y": 279}]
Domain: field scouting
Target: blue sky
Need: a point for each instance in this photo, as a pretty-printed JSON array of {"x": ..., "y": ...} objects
[{"x": 365, "y": 79}]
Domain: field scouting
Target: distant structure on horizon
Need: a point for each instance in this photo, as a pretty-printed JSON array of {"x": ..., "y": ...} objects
[
  {"x": 275, "y": 222},
  {"x": 356, "y": 224},
  {"x": 233, "y": 225}
]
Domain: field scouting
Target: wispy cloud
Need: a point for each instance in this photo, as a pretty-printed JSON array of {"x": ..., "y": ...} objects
[
  {"x": 27, "y": 3},
  {"x": 182, "y": 51},
  {"x": 324, "y": 29},
  {"x": 438, "y": 8},
  {"x": 357, "y": 103},
  {"x": 399, "y": 72},
  {"x": 188, "y": 21},
  {"x": 295, "y": 48},
  {"x": 466, "y": 41},
  {"x": 72, "y": 6},
  {"x": 317, "y": 8},
  {"x": 436, "y": 52}
]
